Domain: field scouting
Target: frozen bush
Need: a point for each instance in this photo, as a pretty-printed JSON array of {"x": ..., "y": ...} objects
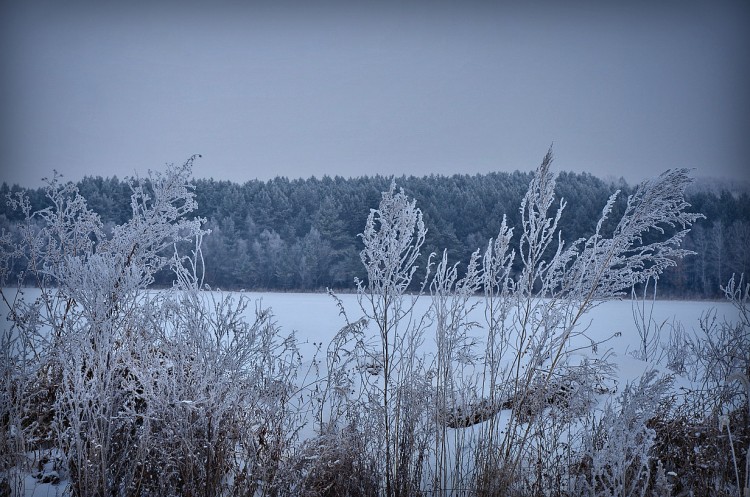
[
  {"x": 170, "y": 392},
  {"x": 525, "y": 365},
  {"x": 617, "y": 459}
]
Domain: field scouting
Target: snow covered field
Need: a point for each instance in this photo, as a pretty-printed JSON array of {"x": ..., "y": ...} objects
[
  {"x": 315, "y": 318},
  {"x": 535, "y": 389}
]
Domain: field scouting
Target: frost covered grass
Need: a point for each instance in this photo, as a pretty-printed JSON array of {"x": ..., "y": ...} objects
[
  {"x": 315, "y": 319},
  {"x": 518, "y": 372},
  {"x": 654, "y": 395}
]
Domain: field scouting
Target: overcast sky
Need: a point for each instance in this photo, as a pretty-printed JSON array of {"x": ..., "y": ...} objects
[{"x": 341, "y": 88}]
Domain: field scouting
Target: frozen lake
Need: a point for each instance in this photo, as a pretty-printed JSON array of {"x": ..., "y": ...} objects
[{"x": 315, "y": 317}]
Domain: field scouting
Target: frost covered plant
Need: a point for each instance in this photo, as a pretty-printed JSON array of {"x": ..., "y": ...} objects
[
  {"x": 704, "y": 436},
  {"x": 86, "y": 328},
  {"x": 455, "y": 351},
  {"x": 617, "y": 446},
  {"x": 174, "y": 392},
  {"x": 170, "y": 392},
  {"x": 724, "y": 420},
  {"x": 534, "y": 325},
  {"x": 649, "y": 330},
  {"x": 724, "y": 356},
  {"x": 717, "y": 352},
  {"x": 552, "y": 294},
  {"x": 393, "y": 236}
]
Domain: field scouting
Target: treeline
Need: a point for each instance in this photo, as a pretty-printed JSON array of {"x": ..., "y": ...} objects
[{"x": 302, "y": 234}]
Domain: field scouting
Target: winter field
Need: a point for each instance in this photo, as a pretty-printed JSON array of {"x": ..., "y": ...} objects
[
  {"x": 315, "y": 319},
  {"x": 520, "y": 372}
]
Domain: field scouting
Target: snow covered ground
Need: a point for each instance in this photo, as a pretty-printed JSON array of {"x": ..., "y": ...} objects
[{"x": 315, "y": 318}]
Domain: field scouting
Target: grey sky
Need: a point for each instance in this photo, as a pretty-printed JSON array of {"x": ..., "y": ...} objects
[{"x": 348, "y": 89}]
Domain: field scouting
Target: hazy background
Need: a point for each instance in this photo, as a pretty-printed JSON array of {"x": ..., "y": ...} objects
[{"x": 295, "y": 89}]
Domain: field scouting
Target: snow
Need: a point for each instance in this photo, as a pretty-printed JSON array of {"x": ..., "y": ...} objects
[
  {"x": 44, "y": 481},
  {"x": 315, "y": 318}
]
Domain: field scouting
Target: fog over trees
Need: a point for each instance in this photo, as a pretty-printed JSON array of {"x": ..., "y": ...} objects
[{"x": 301, "y": 234}]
